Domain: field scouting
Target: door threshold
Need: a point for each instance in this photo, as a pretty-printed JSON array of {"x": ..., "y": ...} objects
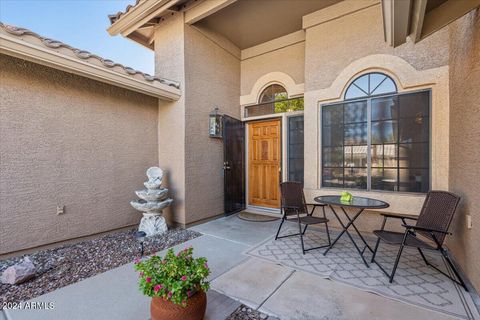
[{"x": 273, "y": 212}]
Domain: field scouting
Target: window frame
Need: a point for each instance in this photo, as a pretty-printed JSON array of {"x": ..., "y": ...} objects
[
  {"x": 368, "y": 99},
  {"x": 288, "y": 117},
  {"x": 368, "y": 95},
  {"x": 274, "y": 98}
]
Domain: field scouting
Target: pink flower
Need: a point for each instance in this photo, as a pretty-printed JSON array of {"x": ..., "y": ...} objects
[
  {"x": 189, "y": 293},
  {"x": 141, "y": 274},
  {"x": 136, "y": 261},
  {"x": 170, "y": 293},
  {"x": 157, "y": 288},
  {"x": 206, "y": 265},
  {"x": 184, "y": 278},
  {"x": 148, "y": 279}
]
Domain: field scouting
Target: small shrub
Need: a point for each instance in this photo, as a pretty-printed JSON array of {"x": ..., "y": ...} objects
[{"x": 175, "y": 277}]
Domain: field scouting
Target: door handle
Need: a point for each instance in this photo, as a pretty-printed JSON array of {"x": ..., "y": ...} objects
[{"x": 226, "y": 166}]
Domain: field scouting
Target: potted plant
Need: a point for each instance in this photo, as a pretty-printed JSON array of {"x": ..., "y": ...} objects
[{"x": 177, "y": 284}]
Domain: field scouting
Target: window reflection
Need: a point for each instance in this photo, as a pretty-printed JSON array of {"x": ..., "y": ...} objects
[
  {"x": 295, "y": 149},
  {"x": 399, "y": 150}
]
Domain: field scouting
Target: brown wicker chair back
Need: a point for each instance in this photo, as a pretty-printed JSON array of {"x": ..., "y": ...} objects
[
  {"x": 292, "y": 196},
  {"x": 437, "y": 213}
]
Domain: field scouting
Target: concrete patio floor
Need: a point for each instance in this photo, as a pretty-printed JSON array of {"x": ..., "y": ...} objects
[{"x": 273, "y": 289}]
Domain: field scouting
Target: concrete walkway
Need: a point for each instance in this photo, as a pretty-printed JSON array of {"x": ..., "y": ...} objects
[
  {"x": 273, "y": 289},
  {"x": 294, "y": 295}
]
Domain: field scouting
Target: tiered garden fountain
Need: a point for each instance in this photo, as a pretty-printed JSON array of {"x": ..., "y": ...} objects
[{"x": 152, "y": 201}]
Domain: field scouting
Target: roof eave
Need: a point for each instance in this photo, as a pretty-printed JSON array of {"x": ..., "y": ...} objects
[
  {"x": 139, "y": 15},
  {"x": 21, "y": 49}
]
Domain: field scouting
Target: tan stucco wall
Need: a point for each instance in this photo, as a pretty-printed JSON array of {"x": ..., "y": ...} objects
[
  {"x": 332, "y": 45},
  {"x": 289, "y": 59},
  {"x": 465, "y": 140},
  {"x": 67, "y": 140},
  {"x": 213, "y": 80},
  {"x": 169, "y": 62},
  {"x": 210, "y": 76}
]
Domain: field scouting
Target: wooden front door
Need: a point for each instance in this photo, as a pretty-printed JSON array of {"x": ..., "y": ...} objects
[{"x": 264, "y": 163}]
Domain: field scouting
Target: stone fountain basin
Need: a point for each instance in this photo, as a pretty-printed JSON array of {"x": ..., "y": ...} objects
[
  {"x": 153, "y": 184},
  {"x": 150, "y": 206},
  {"x": 152, "y": 195}
]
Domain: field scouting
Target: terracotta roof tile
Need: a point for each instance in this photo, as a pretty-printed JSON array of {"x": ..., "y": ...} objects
[
  {"x": 116, "y": 16},
  {"x": 84, "y": 55}
]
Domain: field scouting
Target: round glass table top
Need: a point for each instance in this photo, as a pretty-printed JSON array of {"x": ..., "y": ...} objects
[{"x": 356, "y": 202}]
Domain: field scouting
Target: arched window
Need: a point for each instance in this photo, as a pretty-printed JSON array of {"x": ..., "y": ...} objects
[
  {"x": 370, "y": 84},
  {"x": 377, "y": 138},
  {"x": 272, "y": 93}
]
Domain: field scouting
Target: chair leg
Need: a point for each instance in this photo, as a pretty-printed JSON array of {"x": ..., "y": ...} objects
[
  {"x": 305, "y": 229},
  {"x": 399, "y": 254},
  {"x": 378, "y": 240},
  {"x": 455, "y": 271},
  {"x": 375, "y": 250},
  {"x": 301, "y": 236},
  {"x": 280, "y": 227},
  {"x": 423, "y": 257}
]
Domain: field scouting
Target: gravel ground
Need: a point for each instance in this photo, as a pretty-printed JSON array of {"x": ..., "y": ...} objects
[
  {"x": 71, "y": 263},
  {"x": 245, "y": 313}
]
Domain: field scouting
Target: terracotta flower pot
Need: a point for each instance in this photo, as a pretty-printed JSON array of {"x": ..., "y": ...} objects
[{"x": 161, "y": 309}]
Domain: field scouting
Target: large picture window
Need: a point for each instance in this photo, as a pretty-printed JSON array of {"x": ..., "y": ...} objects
[{"x": 377, "y": 142}]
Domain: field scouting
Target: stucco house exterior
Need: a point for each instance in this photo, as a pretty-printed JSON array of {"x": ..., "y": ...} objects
[{"x": 378, "y": 97}]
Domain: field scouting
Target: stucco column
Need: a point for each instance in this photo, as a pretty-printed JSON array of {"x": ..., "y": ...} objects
[{"x": 170, "y": 64}]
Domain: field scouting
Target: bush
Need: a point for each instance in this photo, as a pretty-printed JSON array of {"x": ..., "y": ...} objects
[{"x": 174, "y": 277}]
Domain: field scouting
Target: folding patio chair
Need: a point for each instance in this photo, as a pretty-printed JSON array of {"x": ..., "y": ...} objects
[
  {"x": 294, "y": 207},
  {"x": 432, "y": 224}
]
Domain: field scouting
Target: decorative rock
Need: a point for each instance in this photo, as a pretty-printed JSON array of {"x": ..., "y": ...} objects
[
  {"x": 246, "y": 313},
  {"x": 19, "y": 272},
  {"x": 71, "y": 263}
]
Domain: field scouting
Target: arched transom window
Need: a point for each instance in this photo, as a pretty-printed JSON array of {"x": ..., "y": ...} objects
[
  {"x": 370, "y": 84},
  {"x": 274, "y": 92},
  {"x": 274, "y": 99}
]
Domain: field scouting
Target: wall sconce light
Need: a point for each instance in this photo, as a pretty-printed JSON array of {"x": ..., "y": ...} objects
[{"x": 215, "y": 124}]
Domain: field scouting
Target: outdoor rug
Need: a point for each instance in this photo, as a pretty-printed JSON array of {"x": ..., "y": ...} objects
[{"x": 414, "y": 282}]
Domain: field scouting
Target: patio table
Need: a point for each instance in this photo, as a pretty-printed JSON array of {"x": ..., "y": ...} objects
[{"x": 359, "y": 203}]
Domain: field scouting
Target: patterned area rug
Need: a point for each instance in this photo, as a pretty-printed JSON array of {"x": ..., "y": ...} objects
[{"x": 414, "y": 282}]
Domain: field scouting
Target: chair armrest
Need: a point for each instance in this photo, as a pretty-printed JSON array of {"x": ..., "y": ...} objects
[
  {"x": 425, "y": 229},
  {"x": 396, "y": 216},
  {"x": 399, "y": 216}
]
